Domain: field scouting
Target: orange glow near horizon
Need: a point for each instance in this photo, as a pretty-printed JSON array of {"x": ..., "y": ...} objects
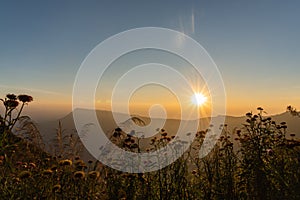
[
  {"x": 58, "y": 109},
  {"x": 58, "y": 106},
  {"x": 142, "y": 101},
  {"x": 160, "y": 101}
]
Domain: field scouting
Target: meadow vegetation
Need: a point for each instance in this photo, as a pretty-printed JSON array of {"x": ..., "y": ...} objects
[{"x": 259, "y": 161}]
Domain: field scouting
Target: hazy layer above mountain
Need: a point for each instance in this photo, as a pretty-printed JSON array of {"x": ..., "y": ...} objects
[{"x": 108, "y": 124}]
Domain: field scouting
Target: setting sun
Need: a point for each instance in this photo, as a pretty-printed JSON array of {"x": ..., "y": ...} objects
[{"x": 198, "y": 99}]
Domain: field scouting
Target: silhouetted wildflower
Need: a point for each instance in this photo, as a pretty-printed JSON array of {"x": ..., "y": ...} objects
[
  {"x": 284, "y": 126},
  {"x": 249, "y": 114},
  {"x": 80, "y": 165},
  {"x": 153, "y": 140},
  {"x": 78, "y": 162},
  {"x": 25, "y": 98},
  {"x": 65, "y": 162},
  {"x": 260, "y": 108},
  {"x": 93, "y": 174},
  {"x": 11, "y": 103},
  {"x": 11, "y": 96},
  {"x": 79, "y": 174},
  {"x": 118, "y": 129},
  {"x": 164, "y": 134}
]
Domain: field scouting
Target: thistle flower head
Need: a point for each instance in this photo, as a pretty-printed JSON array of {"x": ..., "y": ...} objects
[
  {"x": 11, "y": 103},
  {"x": 249, "y": 114},
  {"x": 79, "y": 174},
  {"x": 260, "y": 109},
  {"x": 80, "y": 165},
  {"x": 164, "y": 134},
  {"x": 25, "y": 98},
  {"x": 93, "y": 174},
  {"x": 65, "y": 162},
  {"x": 11, "y": 96}
]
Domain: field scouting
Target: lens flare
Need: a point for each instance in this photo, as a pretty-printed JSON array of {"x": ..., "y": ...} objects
[{"x": 198, "y": 99}]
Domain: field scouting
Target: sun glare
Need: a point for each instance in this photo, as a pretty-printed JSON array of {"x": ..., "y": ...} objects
[{"x": 198, "y": 99}]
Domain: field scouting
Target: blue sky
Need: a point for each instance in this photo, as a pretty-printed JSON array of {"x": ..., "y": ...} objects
[{"x": 255, "y": 44}]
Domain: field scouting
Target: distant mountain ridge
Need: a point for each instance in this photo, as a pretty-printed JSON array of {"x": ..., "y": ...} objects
[
  {"x": 106, "y": 120},
  {"x": 48, "y": 129}
]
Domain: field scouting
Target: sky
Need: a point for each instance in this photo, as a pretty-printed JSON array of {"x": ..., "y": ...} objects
[{"x": 255, "y": 45}]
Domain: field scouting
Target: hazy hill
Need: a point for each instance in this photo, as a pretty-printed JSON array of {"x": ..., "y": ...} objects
[{"x": 48, "y": 129}]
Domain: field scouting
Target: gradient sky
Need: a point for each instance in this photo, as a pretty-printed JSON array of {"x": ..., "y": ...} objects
[{"x": 255, "y": 45}]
